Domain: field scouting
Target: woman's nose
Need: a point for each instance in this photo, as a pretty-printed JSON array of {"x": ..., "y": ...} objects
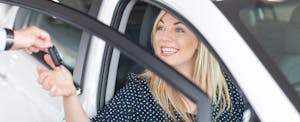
[{"x": 166, "y": 35}]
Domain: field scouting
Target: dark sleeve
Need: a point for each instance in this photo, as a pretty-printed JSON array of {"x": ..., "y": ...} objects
[{"x": 121, "y": 107}]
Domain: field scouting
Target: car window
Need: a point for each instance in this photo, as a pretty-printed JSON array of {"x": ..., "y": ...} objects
[
  {"x": 65, "y": 37},
  {"x": 271, "y": 29},
  {"x": 275, "y": 26},
  {"x": 81, "y": 5}
]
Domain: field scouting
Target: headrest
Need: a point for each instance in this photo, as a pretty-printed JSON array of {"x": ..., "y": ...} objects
[
  {"x": 292, "y": 35},
  {"x": 147, "y": 25},
  {"x": 295, "y": 18}
]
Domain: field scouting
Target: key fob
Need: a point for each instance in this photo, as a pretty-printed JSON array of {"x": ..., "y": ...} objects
[{"x": 55, "y": 56}]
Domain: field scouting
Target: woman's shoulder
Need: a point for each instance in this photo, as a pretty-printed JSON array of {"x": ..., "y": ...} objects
[
  {"x": 133, "y": 81},
  {"x": 134, "y": 78}
]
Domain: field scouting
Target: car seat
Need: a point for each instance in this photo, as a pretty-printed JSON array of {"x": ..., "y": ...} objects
[
  {"x": 141, "y": 37},
  {"x": 290, "y": 61}
]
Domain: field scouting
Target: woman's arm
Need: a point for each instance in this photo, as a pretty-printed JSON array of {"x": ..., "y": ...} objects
[
  {"x": 59, "y": 83},
  {"x": 73, "y": 110}
]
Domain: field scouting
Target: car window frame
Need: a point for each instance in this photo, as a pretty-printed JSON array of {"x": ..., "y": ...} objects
[
  {"x": 112, "y": 36},
  {"x": 83, "y": 45}
]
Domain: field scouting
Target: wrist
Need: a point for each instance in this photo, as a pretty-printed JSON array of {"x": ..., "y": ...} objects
[{"x": 9, "y": 39}]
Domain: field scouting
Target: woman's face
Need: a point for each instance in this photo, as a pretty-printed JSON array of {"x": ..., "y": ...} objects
[{"x": 174, "y": 43}]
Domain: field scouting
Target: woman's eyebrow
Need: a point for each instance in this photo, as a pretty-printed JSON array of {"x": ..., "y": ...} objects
[
  {"x": 161, "y": 21},
  {"x": 176, "y": 23}
]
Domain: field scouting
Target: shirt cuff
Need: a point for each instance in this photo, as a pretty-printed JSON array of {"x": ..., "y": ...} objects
[{"x": 2, "y": 39}]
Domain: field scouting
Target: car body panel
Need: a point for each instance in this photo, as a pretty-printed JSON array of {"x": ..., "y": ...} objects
[
  {"x": 250, "y": 74},
  {"x": 95, "y": 58},
  {"x": 22, "y": 96}
]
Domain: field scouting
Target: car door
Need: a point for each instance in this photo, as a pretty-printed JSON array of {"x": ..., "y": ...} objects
[
  {"x": 213, "y": 28},
  {"x": 97, "y": 51},
  {"x": 22, "y": 96}
]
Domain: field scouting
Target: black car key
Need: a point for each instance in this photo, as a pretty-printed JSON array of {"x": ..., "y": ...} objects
[{"x": 55, "y": 56}]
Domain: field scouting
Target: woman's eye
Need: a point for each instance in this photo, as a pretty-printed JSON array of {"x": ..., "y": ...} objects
[
  {"x": 159, "y": 28},
  {"x": 179, "y": 30}
]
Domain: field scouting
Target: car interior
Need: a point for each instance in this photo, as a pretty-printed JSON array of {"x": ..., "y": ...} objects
[
  {"x": 290, "y": 62},
  {"x": 68, "y": 46},
  {"x": 139, "y": 29},
  {"x": 276, "y": 28}
]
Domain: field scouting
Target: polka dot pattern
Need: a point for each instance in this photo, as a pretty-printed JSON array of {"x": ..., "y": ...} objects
[
  {"x": 235, "y": 114},
  {"x": 134, "y": 102}
]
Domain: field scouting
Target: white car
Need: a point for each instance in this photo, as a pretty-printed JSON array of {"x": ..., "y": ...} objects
[{"x": 255, "y": 41}]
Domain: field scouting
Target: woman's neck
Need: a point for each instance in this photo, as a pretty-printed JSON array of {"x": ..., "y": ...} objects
[
  {"x": 186, "y": 70},
  {"x": 190, "y": 106}
]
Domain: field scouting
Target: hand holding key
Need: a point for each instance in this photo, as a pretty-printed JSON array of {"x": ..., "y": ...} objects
[{"x": 57, "y": 81}]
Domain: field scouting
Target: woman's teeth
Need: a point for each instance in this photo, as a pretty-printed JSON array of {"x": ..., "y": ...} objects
[{"x": 169, "y": 50}]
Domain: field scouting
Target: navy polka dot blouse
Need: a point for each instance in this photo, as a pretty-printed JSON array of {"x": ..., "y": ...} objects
[{"x": 134, "y": 102}]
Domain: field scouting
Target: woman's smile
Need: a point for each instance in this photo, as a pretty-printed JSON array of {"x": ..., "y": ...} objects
[{"x": 168, "y": 51}]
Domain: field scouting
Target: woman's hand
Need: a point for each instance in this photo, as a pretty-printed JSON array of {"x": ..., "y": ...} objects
[{"x": 57, "y": 81}]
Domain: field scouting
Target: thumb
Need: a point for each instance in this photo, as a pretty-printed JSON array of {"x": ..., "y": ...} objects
[{"x": 49, "y": 61}]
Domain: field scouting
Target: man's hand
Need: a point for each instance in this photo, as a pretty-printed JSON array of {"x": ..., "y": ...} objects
[{"x": 31, "y": 39}]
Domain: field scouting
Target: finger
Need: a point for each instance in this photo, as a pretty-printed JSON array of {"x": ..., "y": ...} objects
[
  {"x": 42, "y": 77},
  {"x": 47, "y": 83},
  {"x": 34, "y": 49},
  {"x": 45, "y": 50},
  {"x": 39, "y": 32},
  {"x": 43, "y": 38},
  {"x": 27, "y": 51},
  {"x": 40, "y": 69},
  {"x": 44, "y": 35},
  {"x": 49, "y": 61},
  {"x": 42, "y": 43},
  {"x": 50, "y": 82},
  {"x": 53, "y": 91}
]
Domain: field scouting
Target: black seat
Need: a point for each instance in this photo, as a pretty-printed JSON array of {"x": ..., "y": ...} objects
[
  {"x": 142, "y": 37},
  {"x": 290, "y": 61}
]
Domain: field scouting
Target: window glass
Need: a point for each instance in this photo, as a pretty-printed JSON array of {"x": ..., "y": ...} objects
[
  {"x": 22, "y": 96},
  {"x": 81, "y": 5},
  {"x": 276, "y": 27},
  {"x": 138, "y": 30},
  {"x": 65, "y": 37}
]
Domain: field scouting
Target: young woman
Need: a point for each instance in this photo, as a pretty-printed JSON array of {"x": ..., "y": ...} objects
[{"x": 146, "y": 97}]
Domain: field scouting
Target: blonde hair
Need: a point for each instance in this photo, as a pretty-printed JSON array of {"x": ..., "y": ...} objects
[{"x": 207, "y": 75}]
